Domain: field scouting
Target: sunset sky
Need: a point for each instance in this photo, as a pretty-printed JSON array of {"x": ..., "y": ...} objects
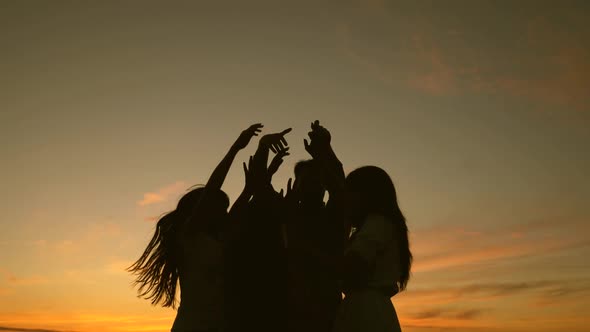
[{"x": 479, "y": 110}]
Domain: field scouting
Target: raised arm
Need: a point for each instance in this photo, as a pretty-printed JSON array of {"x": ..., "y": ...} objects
[
  {"x": 219, "y": 174},
  {"x": 242, "y": 200},
  {"x": 272, "y": 142},
  {"x": 321, "y": 150}
]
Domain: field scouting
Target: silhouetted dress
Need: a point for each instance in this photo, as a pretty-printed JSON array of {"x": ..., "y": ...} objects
[
  {"x": 201, "y": 284},
  {"x": 369, "y": 308}
]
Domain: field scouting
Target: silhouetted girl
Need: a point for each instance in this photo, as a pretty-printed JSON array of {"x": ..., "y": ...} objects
[
  {"x": 256, "y": 269},
  {"x": 377, "y": 259},
  {"x": 187, "y": 247}
]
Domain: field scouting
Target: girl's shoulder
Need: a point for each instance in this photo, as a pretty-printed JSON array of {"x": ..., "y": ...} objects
[
  {"x": 377, "y": 223},
  {"x": 374, "y": 226}
]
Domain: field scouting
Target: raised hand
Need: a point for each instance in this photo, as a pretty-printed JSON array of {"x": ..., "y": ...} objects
[
  {"x": 250, "y": 179},
  {"x": 275, "y": 142},
  {"x": 277, "y": 161},
  {"x": 319, "y": 133},
  {"x": 320, "y": 140},
  {"x": 247, "y": 135},
  {"x": 290, "y": 196}
]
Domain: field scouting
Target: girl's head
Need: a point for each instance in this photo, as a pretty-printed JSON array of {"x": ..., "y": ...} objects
[
  {"x": 370, "y": 190},
  {"x": 157, "y": 268},
  {"x": 308, "y": 181},
  {"x": 216, "y": 207}
]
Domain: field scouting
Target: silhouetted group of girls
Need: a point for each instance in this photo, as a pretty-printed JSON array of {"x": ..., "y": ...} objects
[{"x": 281, "y": 260}]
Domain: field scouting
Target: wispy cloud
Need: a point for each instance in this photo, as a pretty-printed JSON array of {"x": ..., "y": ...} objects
[
  {"x": 442, "y": 247},
  {"x": 20, "y": 329},
  {"x": 438, "y": 77},
  {"x": 460, "y": 314},
  {"x": 480, "y": 273},
  {"x": 564, "y": 81},
  {"x": 12, "y": 279},
  {"x": 477, "y": 305},
  {"x": 476, "y": 291},
  {"x": 462, "y": 257},
  {"x": 162, "y": 194},
  {"x": 437, "y": 59}
]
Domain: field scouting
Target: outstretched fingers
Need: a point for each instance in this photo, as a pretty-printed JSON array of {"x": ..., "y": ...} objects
[
  {"x": 284, "y": 151},
  {"x": 255, "y": 129},
  {"x": 256, "y": 126}
]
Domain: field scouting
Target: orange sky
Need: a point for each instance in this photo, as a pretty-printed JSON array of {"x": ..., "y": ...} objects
[{"x": 479, "y": 110}]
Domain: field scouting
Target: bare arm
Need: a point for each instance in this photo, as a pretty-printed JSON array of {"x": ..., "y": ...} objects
[
  {"x": 257, "y": 181},
  {"x": 242, "y": 200},
  {"x": 272, "y": 142},
  {"x": 321, "y": 150},
  {"x": 219, "y": 174}
]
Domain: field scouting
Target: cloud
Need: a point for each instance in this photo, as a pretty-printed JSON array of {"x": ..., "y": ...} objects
[
  {"x": 461, "y": 267},
  {"x": 462, "y": 257},
  {"x": 152, "y": 218},
  {"x": 468, "y": 314},
  {"x": 503, "y": 289},
  {"x": 476, "y": 291},
  {"x": 540, "y": 290},
  {"x": 477, "y": 305},
  {"x": 566, "y": 292},
  {"x": 406, "y": 52},
  {"x": 12, "y": 279},
  {"x": 162, "y": 194},
  {"x": 439, "y": 77},
  {"x": 445, "y": 247},
  {"x": 460, "y": 314},
  {"x": 421, "y": 51},
  {"x": 20, "y": 329},
  {"x": 564, "y": 81},
  {"x": 428, "y": 314}
]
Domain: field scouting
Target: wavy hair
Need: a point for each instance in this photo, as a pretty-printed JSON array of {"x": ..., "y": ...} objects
[
  {"x": 377, "y": 195},
  {"x": 157, "y": 269}
]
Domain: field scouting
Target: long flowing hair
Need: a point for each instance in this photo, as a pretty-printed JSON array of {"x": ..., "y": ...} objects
[
  {"x": 376, "y": 193},
  {"x": 157, "y": 269}
]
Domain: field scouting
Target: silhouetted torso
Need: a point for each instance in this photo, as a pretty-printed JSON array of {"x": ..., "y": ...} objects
[
  {"x": 256, "y": 272},
  {"x": 368, "y": 307},
  {"x": 314, "y": 294},
  {"x": 201, "y": 283}
]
